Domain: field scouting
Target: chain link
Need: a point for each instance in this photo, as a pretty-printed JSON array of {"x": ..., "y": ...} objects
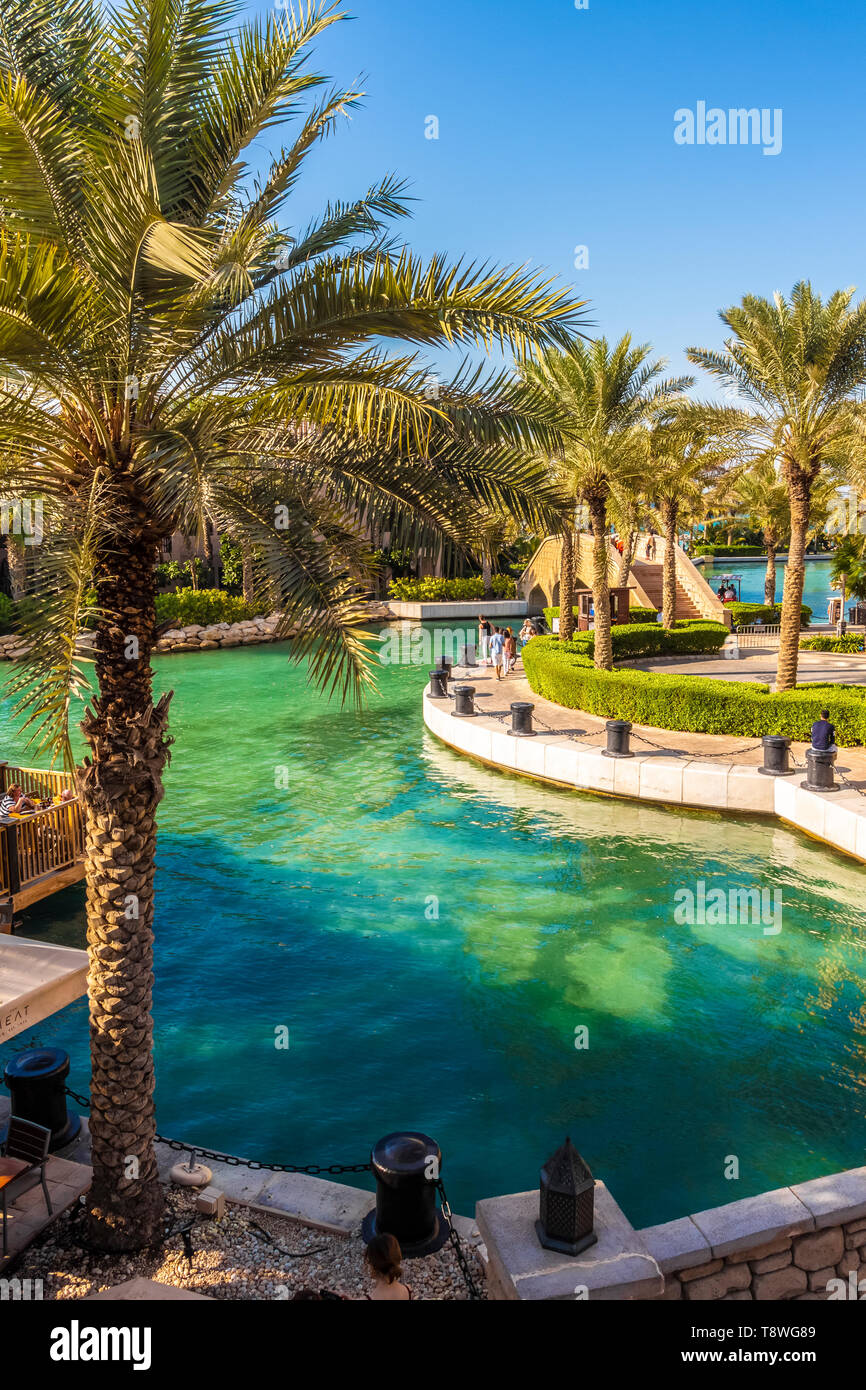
[{"x": 457, "y": 1244}]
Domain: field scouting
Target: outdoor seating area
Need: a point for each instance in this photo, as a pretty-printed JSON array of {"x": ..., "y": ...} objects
[{"x": 41, "y": 850}]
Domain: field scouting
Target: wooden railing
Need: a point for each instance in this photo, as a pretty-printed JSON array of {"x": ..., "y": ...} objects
[
  {"x": 42, "y": 842},
  {"x": 35, "y": 779}
]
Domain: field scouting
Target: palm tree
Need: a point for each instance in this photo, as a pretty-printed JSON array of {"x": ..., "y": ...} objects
[
  {"x": 174, "y": 353},
  {"x": 799, "y": 365},
  {"x": 603, "y": 394},
  {"x": 762, "y": 496},
  {"x": 683, "y": 459}
]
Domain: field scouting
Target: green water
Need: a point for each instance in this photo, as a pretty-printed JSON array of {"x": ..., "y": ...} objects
[{"x": 314, "y": 906}]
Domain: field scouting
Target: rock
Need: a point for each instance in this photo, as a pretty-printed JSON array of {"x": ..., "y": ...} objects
[
  {"x": 673, "y": 1289},
  {"x": 849, "y": 1261},
  {"x": 192, "y": 629},
  {"x": 186, "y": 647},
  {"x": 231, "y": 642},
  {"x": 853, "y": 1228},
  {"x": 759, "y": 1252},
  {"x": 700, "y": 1271},
  {"x": 208, "y": 646},
  {"x": 819, "y": 1249},
  {"x": 819, "y": 1278},
  {"x": 727, "y": 1280},
  {"x": 174, "y": 634},
  {"x": 771, "y": 1262},
  {"x": 782, "y": 1283},
  {"x": 738, "y": 1296}
]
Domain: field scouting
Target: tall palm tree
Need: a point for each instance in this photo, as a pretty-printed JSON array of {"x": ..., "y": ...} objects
[
  {"x": 684, "y": 457},
  {"x": 174, "y": 350},
  {"x": 799, "y": 366},
  {"x": 604, "y": 393}
]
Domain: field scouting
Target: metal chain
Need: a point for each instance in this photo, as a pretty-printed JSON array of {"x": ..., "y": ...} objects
[
  {"x": 663, "y": 748},
  {"x": 313, "y": 1169},
  {"x": 457, "y": 1244}
]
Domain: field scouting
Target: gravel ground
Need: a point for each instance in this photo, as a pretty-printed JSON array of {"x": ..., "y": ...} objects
[{"x": 238, "y": 1257}]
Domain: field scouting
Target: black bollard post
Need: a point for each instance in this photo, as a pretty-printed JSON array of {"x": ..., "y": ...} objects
[
  {"x": 445, "y": 664},
  {"x": 36, "y": 1081},
  {"x": 521, "y": 719},
  {"x": 777, "y": 757},
  {"x": 407, "y": 1167},
  {"x": 618, "y": 731},
  {"x": 819, "y": 777},
  {"x": 438, "y": 685},
  {"x": 464, "y": 707},
  {"x": 466, "y": 656}
]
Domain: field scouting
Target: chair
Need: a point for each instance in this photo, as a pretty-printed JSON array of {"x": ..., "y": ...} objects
[{"x": 22, "y": 1164}]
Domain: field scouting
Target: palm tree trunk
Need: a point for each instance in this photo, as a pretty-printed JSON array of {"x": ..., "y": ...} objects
[
  {"x": 600, "y": 588},
  {"x": 17, "y": 567},
  {"x": 120, "y": 786},
  {"x": 770, "y": 577},
  {"x": 487, "y": 573},
  {"x": 248, "y": 583},
  {"x": 627, "y": 556},
  {"x": 669, "y": 511},
  {"x": 566, "y": 587},
  {"x": 800, "y": 496},
  {"x": 208, "y": 552}
]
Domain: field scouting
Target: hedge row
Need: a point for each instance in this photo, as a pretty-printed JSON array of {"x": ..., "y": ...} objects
[
  {"x": 732, "y": 550},
  {"x": 691, "y": 637},
  {"x": 851, "y": 642},
  {"x": 694, "y": 704},
  {"x": 635, "y": 615},
  {"x": 745, "y": 614},
  {"x": 442, "y": 590},
  {"x": 204, "y": 606}
]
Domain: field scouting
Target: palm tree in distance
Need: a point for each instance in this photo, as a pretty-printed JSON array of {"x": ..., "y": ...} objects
[
  {"x": 799, "y": 367},
  {"x": 604, "y": 395},
  {"x": 176, "y": 349}
]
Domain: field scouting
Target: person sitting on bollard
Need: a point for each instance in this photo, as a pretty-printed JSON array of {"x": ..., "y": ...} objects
[
  {"x": 385, "y": 1262},
  {"x": 824, "y": 733},
  {"x": 497, "y": 651}
]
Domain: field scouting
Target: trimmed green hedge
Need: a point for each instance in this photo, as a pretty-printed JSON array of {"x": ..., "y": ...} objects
[
  {"x": 851, "y": 642},
  {"x": 442, "y": 590},
  {"x": 745, "y": 614},
  {"x": 204, "y": 606},
  {"x": 694, "y": 704},
  {"x": 690, "y": 637},
  {"x": 635, "y": 615},
  {"x": 732, "y": 550}
]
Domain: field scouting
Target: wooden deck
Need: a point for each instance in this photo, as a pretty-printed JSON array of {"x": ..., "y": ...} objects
[{"x": 43, "y": 852}]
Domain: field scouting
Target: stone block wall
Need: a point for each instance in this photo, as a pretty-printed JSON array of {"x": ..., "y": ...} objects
[{"x": 789, "y": 1267}]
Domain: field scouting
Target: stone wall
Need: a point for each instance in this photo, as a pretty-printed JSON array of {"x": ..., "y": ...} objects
[{"x": 790, "y": 1267}]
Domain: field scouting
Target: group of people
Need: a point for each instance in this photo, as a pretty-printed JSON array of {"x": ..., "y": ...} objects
[
  {"x": 498, "y": 645},
  {"x": 16, "y": 802},
  {"x": 726, "y": 592}
]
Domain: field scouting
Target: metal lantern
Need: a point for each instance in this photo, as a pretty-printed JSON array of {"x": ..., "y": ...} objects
[{"x": 566, "y": 1204}]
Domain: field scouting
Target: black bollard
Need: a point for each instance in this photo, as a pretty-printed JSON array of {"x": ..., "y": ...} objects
[
  {"x": 407, "y": 1166},
  {"x": 36, "y": 1081},
  {"x": 521, "y": 719},
  {"x": 777, "y": 758},
  {"x": 464, "y": 707},
  {"x": 466, "y": 656},
  {"x": 445, "y": 664},
  {"x": 618, "y": 731},
  {"x": 438, "y": 685},
  {"x": 819, "y": 778}
]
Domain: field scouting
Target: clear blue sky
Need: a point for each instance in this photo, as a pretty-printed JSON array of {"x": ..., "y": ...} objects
[{"x": 556, "y": 129}]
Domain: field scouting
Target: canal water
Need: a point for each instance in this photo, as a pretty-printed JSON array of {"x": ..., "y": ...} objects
[
  {"x": 816, "y": 589},
  {"x": 495, "y": 962}
]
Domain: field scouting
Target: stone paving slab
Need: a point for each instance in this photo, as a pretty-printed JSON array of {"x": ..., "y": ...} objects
[
  {"x": 28, "y": 1215},
  {"x": 753, "y": 1221}
]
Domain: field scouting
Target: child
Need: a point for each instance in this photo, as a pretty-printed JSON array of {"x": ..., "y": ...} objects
[{"x": 510, "y": 654}]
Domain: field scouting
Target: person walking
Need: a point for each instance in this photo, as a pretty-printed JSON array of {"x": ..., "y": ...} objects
[
  {"x": 484, "y": 634},
  {"x": 526, "y": 632},
  {"x": 510, "y": 653},
  {"x": 497, "y": 648}
]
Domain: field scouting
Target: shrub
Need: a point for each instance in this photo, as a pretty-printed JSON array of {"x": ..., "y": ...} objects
[
  {"x": 635, "y": 615},
  {"x": 851, "y": 642},
  {"x": 690, "y": 637},
  {"x": 694, "y": 704},
  {"x": 204, "y": 606},
  {"x": 723, "y": 550},
  {"x": 745, "y": 614},
  {"x": 445, "y": 590}
]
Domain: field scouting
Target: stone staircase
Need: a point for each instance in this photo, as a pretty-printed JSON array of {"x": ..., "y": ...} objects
[{"x": 648, "y": 574}]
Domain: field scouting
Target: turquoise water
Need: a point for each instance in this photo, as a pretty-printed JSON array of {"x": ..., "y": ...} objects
[
  {"x": 314, "y": 908},
  {"x": 816, "y": 589}
]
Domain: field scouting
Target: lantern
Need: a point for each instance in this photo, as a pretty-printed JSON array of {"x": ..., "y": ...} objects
[{"x": 566, "y": 1204}]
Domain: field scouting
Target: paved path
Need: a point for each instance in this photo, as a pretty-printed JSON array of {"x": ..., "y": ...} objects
[
  {"x": 494, "y": 699},
  {"x": 759, "y": 664}
]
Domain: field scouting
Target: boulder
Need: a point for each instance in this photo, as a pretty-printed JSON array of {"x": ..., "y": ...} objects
[{"x": 819, "y": 1249}]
